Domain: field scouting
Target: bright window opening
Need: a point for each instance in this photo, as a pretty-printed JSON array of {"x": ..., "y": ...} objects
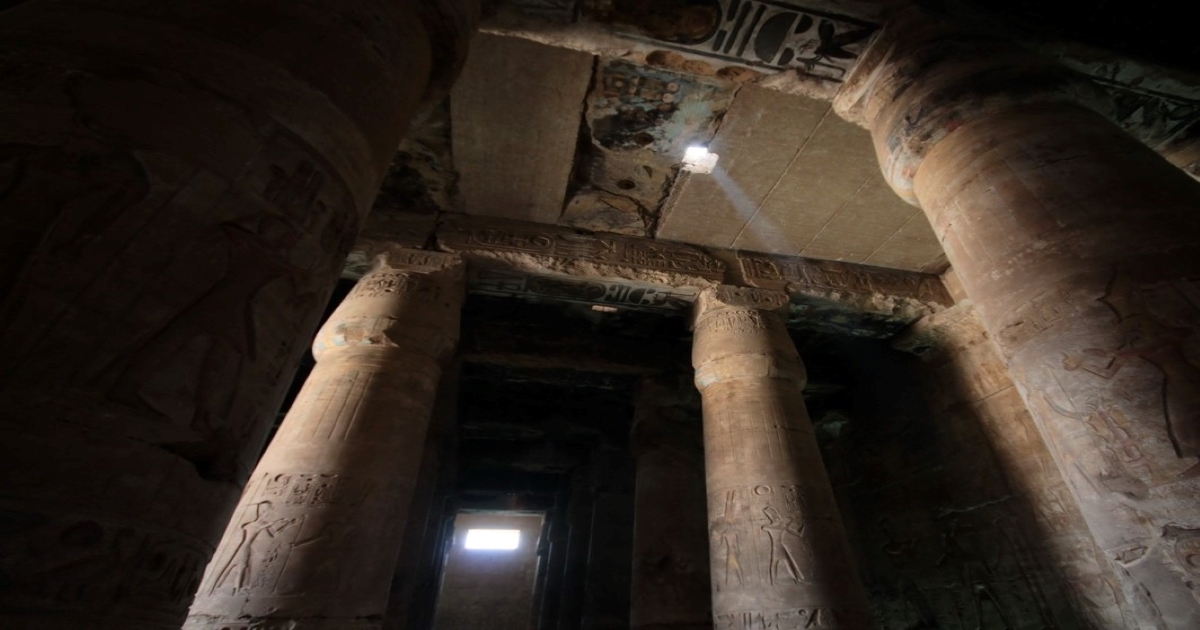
[
  {"x": 697, "y": 159},
  {"x": 493, "y": 539}
]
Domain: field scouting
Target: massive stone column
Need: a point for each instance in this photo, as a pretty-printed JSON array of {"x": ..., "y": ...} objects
[
  {"x": 971, "y": 393},
  {"x": 179, "y": 185},
  {"x": 314, "y": 541},
  {"x": 779, "y": 553},
  {"x": 1081, "y": 250},
  {"x": 670, "y": 589}
]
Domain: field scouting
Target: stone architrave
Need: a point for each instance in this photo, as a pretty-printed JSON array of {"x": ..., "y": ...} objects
[
  {"x": 545, "y": 249},
  {"x": 670, "y": 586},
  {"x": 1081, "y": 251},
  {"x": 179, "y": 184},
  {"x": 315, "y": 537},
  {"x": 778, "y": 549}
]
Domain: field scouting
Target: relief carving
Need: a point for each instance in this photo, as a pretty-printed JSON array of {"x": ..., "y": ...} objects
[
  {"x": 762, "y": 537},
  {"x": 381, "y": 283},
  {"x": 800, "y": 275},
  {"x": 250, "y": 565},
  {"x": 463, "y": 235},
  {"x": 502, "y": 282},
  {"x": 733, "y": 321},
  {"x": 793, "y": 619}
]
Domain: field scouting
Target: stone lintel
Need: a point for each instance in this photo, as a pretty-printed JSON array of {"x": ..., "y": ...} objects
[
  {"x": 846, "y": 298},
  {"x": 941, "y": 333},
  {"x": 502, "y": 282},
  {"x": 371, "y": 252},
  {"x": 546, "y": 249},
  {"x": 549, "y": 263},
  {"x": 868, "y": 288}
]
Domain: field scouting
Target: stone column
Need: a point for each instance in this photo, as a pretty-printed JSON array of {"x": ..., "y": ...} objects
[
  {"x": 970, "y": 391},
  {"x": 314, "y": 541},
  {"x": 179, "y": 185},
  {"x": 779, "y": 553},
  {"x": 670, "y": 589},
  {"x": 1081, "y": 251}
]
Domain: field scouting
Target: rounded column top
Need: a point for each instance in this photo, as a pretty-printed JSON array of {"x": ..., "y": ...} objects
[
  {"x": 924, "y": 77},
  {"x": 410, "y": 300},
  {"x": 740, "y": 333}
]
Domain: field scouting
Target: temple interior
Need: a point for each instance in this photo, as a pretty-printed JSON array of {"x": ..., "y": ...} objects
[{"x": 599, "y": 315}]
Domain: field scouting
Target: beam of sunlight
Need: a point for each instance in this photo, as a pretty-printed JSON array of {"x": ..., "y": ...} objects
[{"x": 764, "y": 235}]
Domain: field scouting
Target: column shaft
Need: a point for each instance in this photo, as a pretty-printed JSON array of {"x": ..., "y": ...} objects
[
  {"x": 1081, "y": 249},
  {"x": 314, "y": 541},
  {"x": 670, "y": 589},
  {"x": 779, "y": 553},
  {"x": 179, "y": 185}
]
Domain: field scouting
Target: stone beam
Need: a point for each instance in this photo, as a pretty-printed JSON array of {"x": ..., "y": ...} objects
[{"x": 556, "y": 264}]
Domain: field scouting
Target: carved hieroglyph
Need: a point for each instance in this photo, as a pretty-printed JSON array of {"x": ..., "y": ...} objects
[
  {"x": 179, "y": 183},
  {"x": 1081, "y": 251},
  {"x": 318, "y": 528},
  {"x": 779, "y": 554}
]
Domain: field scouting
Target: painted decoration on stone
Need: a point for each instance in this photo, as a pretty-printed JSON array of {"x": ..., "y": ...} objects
[
  {"x": 635, "y": 106},
  {"x": 757, "y": 33}
]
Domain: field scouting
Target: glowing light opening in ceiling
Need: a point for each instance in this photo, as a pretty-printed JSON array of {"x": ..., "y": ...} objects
[
  {"x": 493, "y": 539},
  {"x": 697, "y": 159}
]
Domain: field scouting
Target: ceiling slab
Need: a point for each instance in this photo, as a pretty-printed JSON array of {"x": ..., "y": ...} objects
[
  {"x": 795, "y": 179},
  {"x": 516, "y": 113}
]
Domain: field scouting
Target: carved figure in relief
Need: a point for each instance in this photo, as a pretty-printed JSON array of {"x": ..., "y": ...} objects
[
  {"x": 1109, "y": 422},
  {"x": 256, "y": 551},
  {"x": 1162, "y": 335},
  {"x": 778, "y": 530},
  {"x": 216, "y": 335},
  {"x": 725, "y": 530}
]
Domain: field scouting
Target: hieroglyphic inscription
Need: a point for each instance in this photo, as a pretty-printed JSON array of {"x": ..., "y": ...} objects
[
  {"x": 792, "y": 619},
  {"x": 770, "y": 34},
  {"x": 507, "y": 283},
  {"x": 746, "y": 297},
  {"x": 312, "y": 489},
  {"x": 381, "y": 283},
  {"x": 741, "y": 320},
  {"x": 801, "y": 275},
  {"x": 480, "y": 236}
]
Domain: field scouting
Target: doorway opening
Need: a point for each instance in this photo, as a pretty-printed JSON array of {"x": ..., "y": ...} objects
[{"x": 489, "y": 576}]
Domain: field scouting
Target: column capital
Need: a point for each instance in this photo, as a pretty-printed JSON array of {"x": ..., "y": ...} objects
[
  {"x": 410, "y": 301},
  {"x": 924, "y": 77},
  {"x": 726, "y": 296},
  {"x": 740, "y": 334}
]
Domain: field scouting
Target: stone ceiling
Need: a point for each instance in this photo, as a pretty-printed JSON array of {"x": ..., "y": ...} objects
[
  {"x": 559, "y": 136},
  {"x": 577, "y": 114}
]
